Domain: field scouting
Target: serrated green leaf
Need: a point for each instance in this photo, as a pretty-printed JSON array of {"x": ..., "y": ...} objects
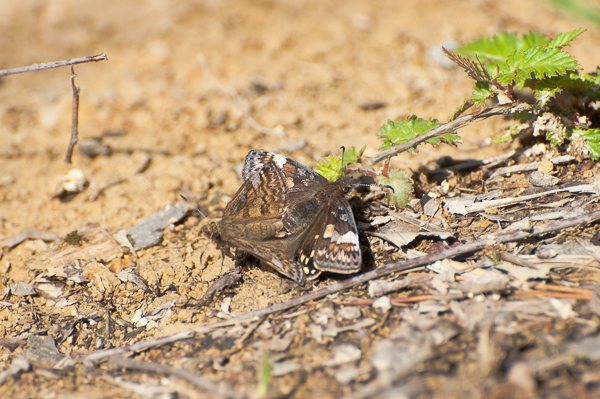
[
  {"x": 481, "y": 93},
  {"x": 536, "y": 63},
  {"x": 564, "y": 39},
  {"x": 401, "y": 185},
  {"x": 593, "y": 77},
  {"x": 401, "y": 131},
  {"x": 493, "y": 48},
  {"x": 331, "y": 167},
  {"x": 532, "y": 39},
  {"x": 544, "y": 96},
  {"x": 592, "y": 139}
]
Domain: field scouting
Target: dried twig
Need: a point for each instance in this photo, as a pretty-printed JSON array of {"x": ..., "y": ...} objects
[
  {"x": 586, "y": 296},
  {"x": 137, "y": 347},
  {"x": 450, "y": 127},
  {"x": 502, "y": 202},
  {"x": 53, "y": 64},
  {"x": 75, "y": 120},
  {"x": 528, "y": 167},
  {"x": 195, "y": 380},
  {"x": 222, "y": 283},
  {"x": 515, "y": 260}
]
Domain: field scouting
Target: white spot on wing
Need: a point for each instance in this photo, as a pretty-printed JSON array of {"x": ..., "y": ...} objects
[
  {"x": 279, "y": 160},
  {"x": 347, "y": 238}
]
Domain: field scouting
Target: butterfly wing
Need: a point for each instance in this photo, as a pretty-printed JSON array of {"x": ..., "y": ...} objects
[
  {"x": 253, "y": 221},
  {"x": 295, "y": 176},
  {"x": 332, "y": 243}
]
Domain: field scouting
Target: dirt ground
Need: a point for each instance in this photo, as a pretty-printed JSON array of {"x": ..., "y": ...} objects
[{"x": 188, "y": 89}]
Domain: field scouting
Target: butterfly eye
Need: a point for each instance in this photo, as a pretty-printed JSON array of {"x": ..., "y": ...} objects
[{"x": 346, "y": 189}]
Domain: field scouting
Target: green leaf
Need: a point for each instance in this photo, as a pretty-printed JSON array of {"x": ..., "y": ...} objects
[
  {"x": 514, "y": 59},
  {"x": 401, "y": 131},
  {"x": 402, "y": 186},
  {"x": 543, "y": 97},
  {"x": 481, "y": 93},
  {"x": 564, "y": 39},
  {"x": 331, "y": 167},
  {"x": 532, "y": 39},
  {"x": 593, "y": 77},
  {"x": 592, "y": 139},
  {"x": 492, "y": 48},
  {"x": 536, "y": 63},
  {"x": 509, "y": 134}
]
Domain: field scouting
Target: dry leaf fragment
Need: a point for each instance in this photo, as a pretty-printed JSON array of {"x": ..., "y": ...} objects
[
  {"x": 51, "y": 289},
  {"x": 541, "y": 179},
  {"x": 22, "y": 289},
  {"x": 149, "y": 231},
  {"x": 94, "y": 244},
  {"x": 405, "y": 229},
  {"x": 15, "y": 240},
  {"x": 17, "y": 366},
  {"x": 43, "y": 351}
]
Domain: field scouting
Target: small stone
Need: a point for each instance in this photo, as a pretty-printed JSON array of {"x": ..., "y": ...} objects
[
  {"x": 349, "y": 313},
  {"x": 540, "y": 179},
  {"x": 344, "y": 353},
  {"x": 546, "y": 167},
  {"x": 383, "y": 304},
  {"x": 347, "y": 375}
]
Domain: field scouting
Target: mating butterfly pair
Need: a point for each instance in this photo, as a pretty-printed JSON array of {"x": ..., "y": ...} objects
[{"x": 291, "y": 218}]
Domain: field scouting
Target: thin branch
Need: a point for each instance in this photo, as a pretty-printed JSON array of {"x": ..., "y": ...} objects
[
  {"x": 195, "y": 380},
  {"x": 75, "y": 120},
  {"x": 219, "y": 285},
  {"x": 53, "y": 64},
  {"x": 450, "y": 127},
  {"x": 137, "y": 347},
  {"x": 593, "y": 188}
]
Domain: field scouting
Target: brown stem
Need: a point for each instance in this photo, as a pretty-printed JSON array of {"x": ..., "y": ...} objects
[
  {"x": 75, "y": 120},
  {"x": 53, "y": 64}
]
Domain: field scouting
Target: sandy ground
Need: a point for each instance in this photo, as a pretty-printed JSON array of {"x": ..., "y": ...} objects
[{"x": 176, "y": 88}]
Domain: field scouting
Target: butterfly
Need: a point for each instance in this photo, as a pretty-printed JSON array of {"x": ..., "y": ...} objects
[{"x": 292, "y": 219}]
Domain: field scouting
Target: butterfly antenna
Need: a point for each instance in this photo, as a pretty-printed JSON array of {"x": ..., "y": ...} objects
[{"x": 343, "y": 148}]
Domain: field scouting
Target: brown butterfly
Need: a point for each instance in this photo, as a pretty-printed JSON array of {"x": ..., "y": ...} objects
[{"x": 292, "y": 219}]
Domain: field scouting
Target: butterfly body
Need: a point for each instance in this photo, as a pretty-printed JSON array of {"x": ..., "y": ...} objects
[{"x": 292, "y": 219}]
